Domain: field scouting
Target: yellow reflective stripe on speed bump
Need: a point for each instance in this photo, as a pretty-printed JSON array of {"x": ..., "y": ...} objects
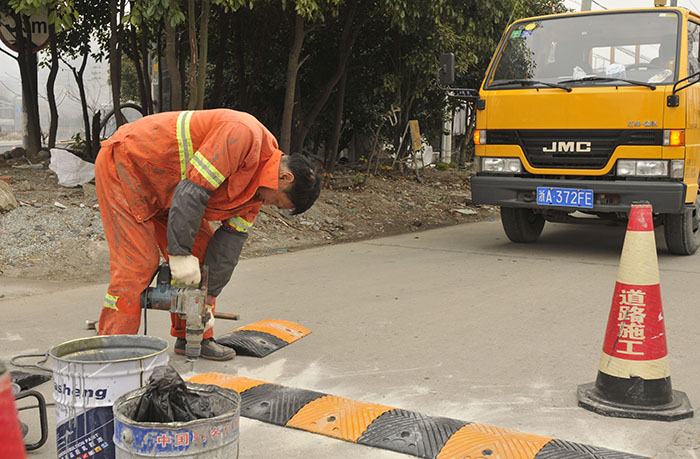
[
  {"x": 337, "y": 417},
  {"x": 184, "y": 140},
  {"x": 282, "y": 329},
  {"x": 239, "y": 224},
  {"x": 479, "y": 440},
  {"x": 110, "y": 302},
  {"x": 210, "y": 173},
  {"x": 226, "y": 381}
]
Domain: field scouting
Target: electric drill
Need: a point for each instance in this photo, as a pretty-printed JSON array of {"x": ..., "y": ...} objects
[{"x": 188, "y": 302}]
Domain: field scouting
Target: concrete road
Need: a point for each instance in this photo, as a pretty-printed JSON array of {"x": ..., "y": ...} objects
[{"x": 455, "y": 322}]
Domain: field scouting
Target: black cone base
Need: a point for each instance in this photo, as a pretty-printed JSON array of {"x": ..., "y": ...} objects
[{"x": 678, "y": 408}]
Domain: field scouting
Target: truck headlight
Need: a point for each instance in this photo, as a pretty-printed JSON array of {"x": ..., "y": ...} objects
[
  {"x": 677, "y": 168},
  {"x": 643, "y": 168},
  {"x": 503, "y": 165}
]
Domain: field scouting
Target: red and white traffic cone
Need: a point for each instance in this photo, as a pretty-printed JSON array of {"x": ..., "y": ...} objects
[
  {"x": 11, "y": 441},
  {"x": 634, "y": 376}
]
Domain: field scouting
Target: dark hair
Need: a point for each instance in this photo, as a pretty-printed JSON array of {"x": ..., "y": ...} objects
[{"x": 307, "y": 182}]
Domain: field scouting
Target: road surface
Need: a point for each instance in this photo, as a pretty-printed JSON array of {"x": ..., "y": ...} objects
[{"x": 455, "y": 322}]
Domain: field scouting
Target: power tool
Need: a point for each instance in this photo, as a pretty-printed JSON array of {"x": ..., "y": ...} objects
[{"x": 188, "y": 302}]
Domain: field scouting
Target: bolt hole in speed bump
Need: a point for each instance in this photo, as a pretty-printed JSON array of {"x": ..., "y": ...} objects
[
  {"x": 634, "y": 376},
  {"x": 394, "y": 429}
]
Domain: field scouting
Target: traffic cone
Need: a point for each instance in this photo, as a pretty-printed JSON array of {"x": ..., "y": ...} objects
[
  {"x": 634, "y": 376},
  {"x": 12, "y": 443}
]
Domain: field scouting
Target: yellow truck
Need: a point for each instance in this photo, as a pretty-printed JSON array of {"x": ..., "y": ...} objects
[{"x": 581, "y": 114}]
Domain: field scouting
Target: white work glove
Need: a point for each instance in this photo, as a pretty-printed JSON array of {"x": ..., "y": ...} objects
[
  {"x": 185, "y": 269},
  {"x": 210, "y": 320}
]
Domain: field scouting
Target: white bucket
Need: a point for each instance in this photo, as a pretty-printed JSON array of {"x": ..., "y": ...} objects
[{"x": 89, "y": 374}]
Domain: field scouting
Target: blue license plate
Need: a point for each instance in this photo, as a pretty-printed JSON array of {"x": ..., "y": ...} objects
[{"x": 568, "y": 197}]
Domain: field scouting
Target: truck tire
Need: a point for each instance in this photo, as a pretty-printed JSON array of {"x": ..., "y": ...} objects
[
  {"x": 521, "y": 225},
  {"x": 682, "y": 231}
]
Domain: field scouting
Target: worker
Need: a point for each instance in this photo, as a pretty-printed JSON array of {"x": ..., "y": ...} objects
[
  {"x": 160, "y": 181},
  {"x": 667, "y": 54}
]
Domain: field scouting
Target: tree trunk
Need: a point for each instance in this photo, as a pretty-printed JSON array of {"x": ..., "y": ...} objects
[
  {"x": 78, "y": 75},
  {"x": 203, "y": 52},
  {"x": 240, "y": 54},
  {"x": 291, "y": 80},
  {"x": 50, "y": 88},
  {"x": 183, "y": 45},
  {"x": 146, "y": 64},
  {"x": 136, "y": 60},
  {"x": 173, "y": 67},
  {"x": 194, "y": 59},
  {"x": 28, "y": 74},
  {"x": 159, "y": 108},
  {"x": 116, "y": 10},
  {"x": 346, "y": 43},
  {"x": 332, "y": 150},
  {"x": 217, "y": 93},
  {"x": 96, "y": 117}
]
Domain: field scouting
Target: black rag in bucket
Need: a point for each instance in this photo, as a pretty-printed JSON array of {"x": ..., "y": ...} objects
[{"x": 167, "y": 399}]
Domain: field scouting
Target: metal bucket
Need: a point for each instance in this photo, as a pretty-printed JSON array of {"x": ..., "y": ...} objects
[
  {"x": 89, "y": 374},
  {"x": 213, "y": 438}
]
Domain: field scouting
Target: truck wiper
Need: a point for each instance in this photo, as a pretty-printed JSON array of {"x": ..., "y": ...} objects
[
  {"x": 597, "y": 78},
  {"x": 530, "y": 83}
]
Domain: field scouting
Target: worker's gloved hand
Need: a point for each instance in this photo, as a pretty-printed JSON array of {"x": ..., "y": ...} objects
[
  {"x": 185, "y": 269},
  {"x": 210, "y": 318}
]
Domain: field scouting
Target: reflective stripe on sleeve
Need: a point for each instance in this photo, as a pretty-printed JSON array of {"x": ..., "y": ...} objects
[
  {"x": 110, "y": 302},
  {"x": 239, "y": 224},
  {"x": 207, "y": 169},
  {"x": 184, "y": 140}
]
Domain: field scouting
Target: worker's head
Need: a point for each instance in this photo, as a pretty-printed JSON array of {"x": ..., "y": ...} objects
[{"x": 299, "y": 185}]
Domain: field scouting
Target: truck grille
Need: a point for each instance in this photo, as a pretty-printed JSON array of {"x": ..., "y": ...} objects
[{"x": 602, "y": 145}]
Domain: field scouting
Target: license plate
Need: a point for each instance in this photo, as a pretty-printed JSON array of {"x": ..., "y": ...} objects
[{"x": 568, "y": 197}]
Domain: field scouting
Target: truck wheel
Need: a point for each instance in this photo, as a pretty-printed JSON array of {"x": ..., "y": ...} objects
[
  {"x": 521, "y": 225},
  {"x": 682, "y": 231}
]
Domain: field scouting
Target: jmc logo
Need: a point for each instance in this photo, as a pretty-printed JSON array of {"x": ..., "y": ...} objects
[{"x": 573, "y": 147}]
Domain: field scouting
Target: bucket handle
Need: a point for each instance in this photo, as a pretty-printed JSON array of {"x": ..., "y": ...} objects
[
  {"x": 42, "y": 418},
  {"x": 38, "y": 365}
]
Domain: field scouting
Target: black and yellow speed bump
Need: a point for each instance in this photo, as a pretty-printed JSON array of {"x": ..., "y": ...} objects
[
  {"x": 395, "y": 429},
  {"x": 263, "y": 337}
]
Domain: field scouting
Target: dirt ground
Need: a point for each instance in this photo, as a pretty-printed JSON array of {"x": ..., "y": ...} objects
[{"x": 56, "y": 233}]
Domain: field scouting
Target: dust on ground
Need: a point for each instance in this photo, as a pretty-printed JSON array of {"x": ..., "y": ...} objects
[{"x": 56, "y": 233}]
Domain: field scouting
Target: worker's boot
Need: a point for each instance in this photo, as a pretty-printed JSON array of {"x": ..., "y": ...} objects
[{"x": 211, "y": 350}]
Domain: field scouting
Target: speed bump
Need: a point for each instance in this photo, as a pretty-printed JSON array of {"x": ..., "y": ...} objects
[
  {"x": 263, "y": 337},
  {"x": 394, "y": 429}
]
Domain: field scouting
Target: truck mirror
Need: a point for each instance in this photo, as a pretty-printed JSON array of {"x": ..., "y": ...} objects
[{"x": 446, "y": 74}]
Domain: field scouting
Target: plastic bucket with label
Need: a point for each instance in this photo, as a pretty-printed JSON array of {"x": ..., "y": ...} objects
[{"x": 89, "y": 375}]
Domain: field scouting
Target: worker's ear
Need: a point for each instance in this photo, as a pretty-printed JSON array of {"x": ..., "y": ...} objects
[{"x": 286, "y": 176}]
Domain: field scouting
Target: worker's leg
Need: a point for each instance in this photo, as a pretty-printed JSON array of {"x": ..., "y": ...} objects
[{"x": 133, "y": 253}]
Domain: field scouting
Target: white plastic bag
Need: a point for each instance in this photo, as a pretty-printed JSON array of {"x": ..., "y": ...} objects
[{"x": 71, "y": 170}]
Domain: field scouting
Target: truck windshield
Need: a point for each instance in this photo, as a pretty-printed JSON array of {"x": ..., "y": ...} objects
[{"x": 627, "y": 47}]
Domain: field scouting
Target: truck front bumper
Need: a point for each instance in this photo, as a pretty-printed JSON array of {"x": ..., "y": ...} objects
[{"x": 608, "y": 196}]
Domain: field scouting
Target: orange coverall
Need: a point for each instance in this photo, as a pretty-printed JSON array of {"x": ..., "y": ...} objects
[{"x": 228, "y": 153}]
